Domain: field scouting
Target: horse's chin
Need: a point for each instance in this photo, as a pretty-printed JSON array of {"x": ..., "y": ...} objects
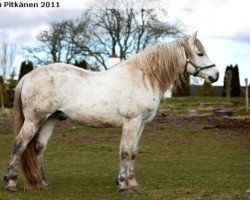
[{"x": 207, "y": 80}]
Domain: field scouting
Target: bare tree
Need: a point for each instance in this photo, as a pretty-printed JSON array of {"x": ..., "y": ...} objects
[
  {"x": 7, "y": 56},
  {"x": 2, "y": 88},
  {"x": 126, "y": 31},
  {"x": 58, "y": 43},
  {"x": 103, "y": 32}
]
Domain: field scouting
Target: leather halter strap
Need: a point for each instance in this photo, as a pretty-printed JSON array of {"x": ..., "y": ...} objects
[{"x": 197, "y": 68}]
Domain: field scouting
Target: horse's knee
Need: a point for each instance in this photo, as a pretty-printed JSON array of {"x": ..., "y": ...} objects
[
  {"x": 128, "y": 155},
  {"x": 40, "y": 147},
  {"x": 125, "y": 155},
  {"x": 133, "y": 155}
]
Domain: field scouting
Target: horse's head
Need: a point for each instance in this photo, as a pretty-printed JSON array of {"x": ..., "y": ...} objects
[{"x": 200, "y": 65}]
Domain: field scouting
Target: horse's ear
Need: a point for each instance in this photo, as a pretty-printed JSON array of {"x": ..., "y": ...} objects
[{"x": 193, "y": 37}]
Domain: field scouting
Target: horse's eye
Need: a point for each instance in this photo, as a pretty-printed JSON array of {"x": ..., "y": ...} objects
[{"x": 200, "y": 54}]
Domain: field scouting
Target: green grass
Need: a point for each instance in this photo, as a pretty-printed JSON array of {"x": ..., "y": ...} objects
[
  {"x": 82, "y": 163},
  {"x": 204, "y": 105},
  {"x": 184, "y": 163},
  {"x": 4, "y": 113}
]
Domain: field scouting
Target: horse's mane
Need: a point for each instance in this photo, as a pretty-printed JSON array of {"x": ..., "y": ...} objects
[{"x": 163, "y": 63}]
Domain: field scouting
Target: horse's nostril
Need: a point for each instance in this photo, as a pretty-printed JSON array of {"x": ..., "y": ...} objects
[
  {"x": 211, "y": 79},
  {"x": 217, "y": 76}
]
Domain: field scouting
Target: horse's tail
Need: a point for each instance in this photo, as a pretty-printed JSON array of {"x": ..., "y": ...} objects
[
  {"x": 28, "y": 161},
  {"x": 18, "y": 109}
]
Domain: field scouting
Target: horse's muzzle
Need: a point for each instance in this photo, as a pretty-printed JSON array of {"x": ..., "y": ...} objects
[{"x": 212, "y": 79}]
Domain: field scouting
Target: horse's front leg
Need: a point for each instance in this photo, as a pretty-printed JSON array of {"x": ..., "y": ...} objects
[{"x": 131, "y": 131}]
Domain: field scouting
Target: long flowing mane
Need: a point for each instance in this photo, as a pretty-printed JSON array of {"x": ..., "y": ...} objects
[{"x": 163, "y": 63}]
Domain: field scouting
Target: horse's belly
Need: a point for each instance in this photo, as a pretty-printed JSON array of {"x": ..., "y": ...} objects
[
  {"x": 88, "y": 118},
  {"x": 99, "y": 122}
]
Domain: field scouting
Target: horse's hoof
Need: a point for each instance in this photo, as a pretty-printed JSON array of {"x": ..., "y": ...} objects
[
  {"x": 46, "y": 185},
  {"x": 130, "y": 189},
  {"x": 11, "y": 188},
  {"x": 136, "y": 189}
]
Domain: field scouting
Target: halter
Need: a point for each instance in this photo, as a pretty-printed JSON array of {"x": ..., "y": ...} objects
[{"x": 197, "y": 68}]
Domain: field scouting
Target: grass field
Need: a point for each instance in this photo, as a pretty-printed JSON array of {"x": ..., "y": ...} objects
[
  {"x": 204, "y": 105},
  {"x": 173, "y": 163}
]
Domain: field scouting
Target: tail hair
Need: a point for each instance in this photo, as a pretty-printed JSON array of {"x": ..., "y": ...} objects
[{"x": 28, "y": 161}]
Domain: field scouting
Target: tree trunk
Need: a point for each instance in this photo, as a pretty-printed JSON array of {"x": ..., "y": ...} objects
[
  {"x": 1, "y": 97},
  {"x": 228, "y": 85}
]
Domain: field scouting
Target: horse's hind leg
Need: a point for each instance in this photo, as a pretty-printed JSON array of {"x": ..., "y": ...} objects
[
  {"x": 42, "y": 139},
  {"x": 21, "y": 141}
]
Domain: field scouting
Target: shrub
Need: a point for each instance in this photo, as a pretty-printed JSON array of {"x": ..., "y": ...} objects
[{"x": 207, "y": 90}]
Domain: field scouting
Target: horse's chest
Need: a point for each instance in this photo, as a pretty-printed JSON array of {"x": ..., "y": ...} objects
[
  {"x": 152, "y": 109},
  {"x": 144, "y": 107}
]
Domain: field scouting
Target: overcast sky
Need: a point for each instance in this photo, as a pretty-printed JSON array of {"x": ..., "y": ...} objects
[{"x": 223, "y": 26}]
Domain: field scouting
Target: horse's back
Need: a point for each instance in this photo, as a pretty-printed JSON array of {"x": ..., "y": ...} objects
[{"x": 61, "y": 68}]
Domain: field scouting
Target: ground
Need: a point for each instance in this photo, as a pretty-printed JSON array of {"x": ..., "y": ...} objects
[
  {"x": 222, "y": 124},
  {"x": 180, "y": 157}
]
